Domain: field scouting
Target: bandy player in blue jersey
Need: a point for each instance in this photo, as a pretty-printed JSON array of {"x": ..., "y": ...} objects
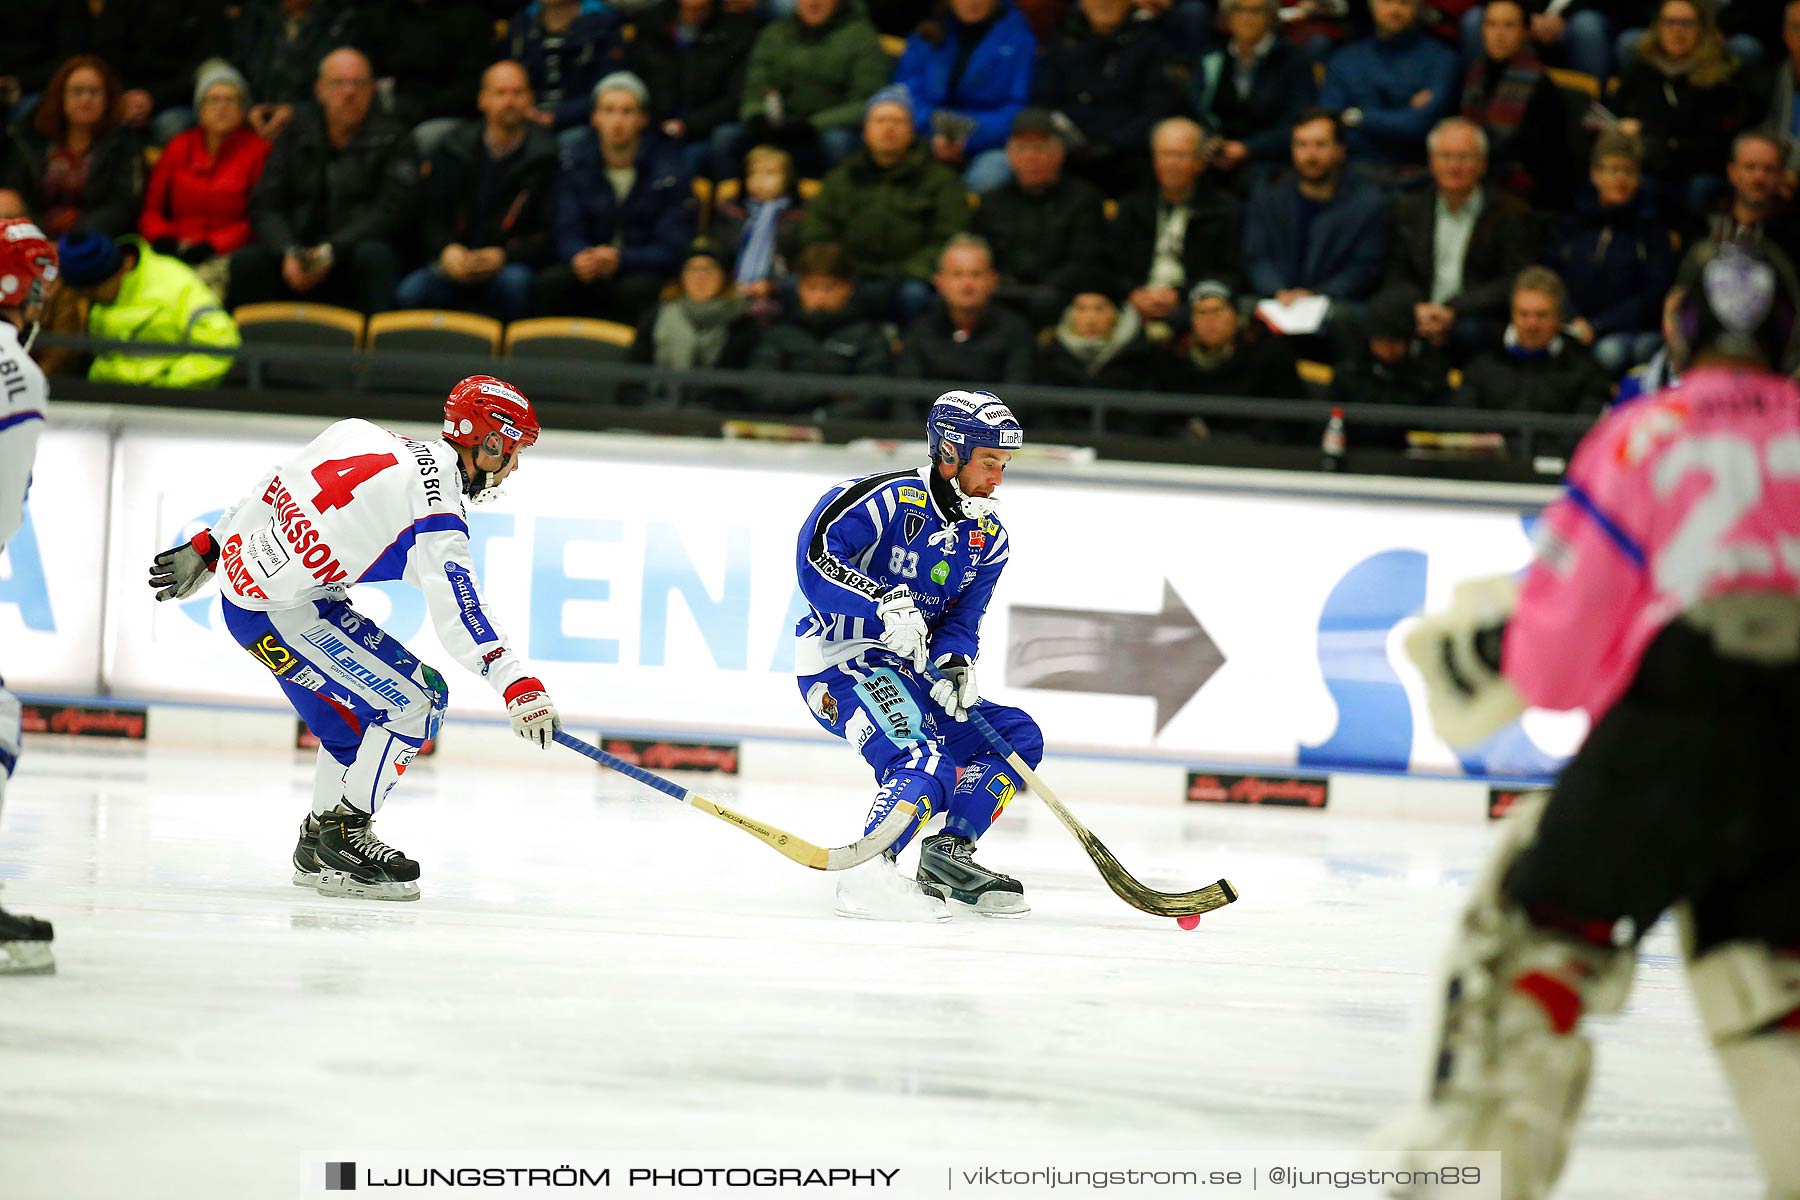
[{"x": 899, "y": 568}]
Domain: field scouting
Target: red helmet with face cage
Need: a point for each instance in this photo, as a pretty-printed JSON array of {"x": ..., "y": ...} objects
[
  {"x": 485, "y": 412},
  {"x": 27, "y": 263}
]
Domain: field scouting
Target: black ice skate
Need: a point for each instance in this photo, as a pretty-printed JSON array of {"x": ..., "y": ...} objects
[
  {"x": 947, "y": 868},
  {"x": 306, "y": 854},
  {"x": 25, "y": 945},
  {"x": 352, "y": 861}
]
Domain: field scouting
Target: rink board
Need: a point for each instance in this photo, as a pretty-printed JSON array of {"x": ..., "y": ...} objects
[{"x": 651, "y": 583}]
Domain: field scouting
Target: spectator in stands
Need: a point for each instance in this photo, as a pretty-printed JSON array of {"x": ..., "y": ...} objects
[
  {"x": 1508, "y": 93},
  {"x": 334, "y": 200},
  {"x": 692, "y": 54},
  {"x": 891, "y": 207},
  {"x": 1045, "y": 228},
  {"x": 622, "y": 214},
  {"x": 1458, "y": 246},
  {"x": 155, "y": 46},
  {"x": 701, "y": 323},
  {"x": 762, "y": 231},
  {"x": 566, "y": 47},
  {"x": 1681, "y": 97},
  {"x": 1392, "y": 365},
  {"x": 1250, "y": 91},
  {"x": 1575, "y": 32},
  {"x": 1662, "y": 371},
  {"x": 428, "y": 55},
  {"x": 1390, "y": 89},
  {"x": 278, "y": 45},
  {"x": 1184, "y": 229},
  {"x": 808, "y": 82},
  {"x": 964, "y": 335},
  {"x": 968, "y": 70},
  {"x": 1099, "y": 343},
  {"x": 1755, "y": 213},
  {"x": 1107, "y": 72},
  {"x": 484, "y": 212},
  {"x": 1616, "y": 255},
  {"x": 1775, "y": 90},
  {"x": 1319, "y": 231},
  {"x": 1219, "y": 357},
  {"x": 137, "y": 295},
  {"x": 73, "y": 164},
  {"x": 1536, "y": 369},
  {"x": 828, "y": 333},
  {"x": 197, "y": 207}
]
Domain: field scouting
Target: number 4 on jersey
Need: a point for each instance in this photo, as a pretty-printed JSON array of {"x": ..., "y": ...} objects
[{"x": 338, "y": 478}]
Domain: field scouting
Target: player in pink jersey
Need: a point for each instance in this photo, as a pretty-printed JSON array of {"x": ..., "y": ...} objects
[
  {"x": 1665, "y": 600},
  {"x": 362, "y": 505}
]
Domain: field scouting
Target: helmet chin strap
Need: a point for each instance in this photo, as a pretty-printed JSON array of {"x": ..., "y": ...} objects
[
  {"x": 970, "y": 507},
  {"x": 478, "y": 486}
]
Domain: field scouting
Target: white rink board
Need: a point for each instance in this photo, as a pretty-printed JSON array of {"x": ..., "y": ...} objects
[{"x": 651, "y": 584}]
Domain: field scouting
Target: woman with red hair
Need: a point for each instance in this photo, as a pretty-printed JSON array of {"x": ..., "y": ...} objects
[{"x": 74, "y": 164}]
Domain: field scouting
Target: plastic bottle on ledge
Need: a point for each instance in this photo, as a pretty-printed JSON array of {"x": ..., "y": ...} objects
[{"x": 1331, "y": 446}]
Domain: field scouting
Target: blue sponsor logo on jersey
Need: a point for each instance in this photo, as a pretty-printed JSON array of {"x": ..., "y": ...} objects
[
  {"x": 343, "y": 658},
  {"x": 462, "y": 584}
]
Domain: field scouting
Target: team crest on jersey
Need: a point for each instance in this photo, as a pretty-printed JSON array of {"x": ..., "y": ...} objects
[
  {"x": 823, "y": 704},
  {"x": 913, "y": 525}
]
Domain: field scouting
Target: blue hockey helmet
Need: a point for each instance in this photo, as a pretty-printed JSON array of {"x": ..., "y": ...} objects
[{"x": 961, "y": 421}]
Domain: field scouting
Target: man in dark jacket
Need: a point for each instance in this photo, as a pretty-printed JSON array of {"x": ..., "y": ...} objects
[
  {"x": 567, "y": 46},
  {"x": 1098, "y": 344},
  {"x": 891, "y": 207},
  {"x": 1106, "y": 70},
  {"x": 1458, "y": 246},
  {"x": 1320, "y": 231},
  {"x": 1391, "y": 88},
  {"x": 1508, "y": 92},
  {"x": 277, "y": 45},
  {"x": 333, "y": 201},
  {"x": 692, "y": 54},
  {"x": 1045, "y": 228},
  {"x": 1391, "y": 366},
  {"x": 1218, "y": 357},
  {"x": 1537, "y": 369},
  {"x": 485, "y": 208},
  {"x": 965, "y": 336},
  {"x": 622, "y": 213},
  {"x": 829, "y": 333},
  {"x": 1181, "y": 230},
  {"x": 1249, "y": 92}
]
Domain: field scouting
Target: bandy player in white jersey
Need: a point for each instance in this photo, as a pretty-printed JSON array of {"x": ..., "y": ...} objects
[
  {"x": 27, "y": 271},
  {"x": 363, "y": 505}
]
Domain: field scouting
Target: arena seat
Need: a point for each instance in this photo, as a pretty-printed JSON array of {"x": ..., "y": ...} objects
[
  {"x": 430, "y": 330},
  {"x": 297, "y": 323}
]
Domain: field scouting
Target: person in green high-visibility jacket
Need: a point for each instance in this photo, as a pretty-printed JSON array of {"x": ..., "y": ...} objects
[{"x": 138, "y": 295}]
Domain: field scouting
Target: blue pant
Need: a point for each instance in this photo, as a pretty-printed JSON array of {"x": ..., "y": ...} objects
[
  {"x": 367, "y": 699},
  {"x": 879, "y": 704},
  {"x": 506, "y": 297}
]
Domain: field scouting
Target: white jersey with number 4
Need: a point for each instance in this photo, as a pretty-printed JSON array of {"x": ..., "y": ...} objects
[
  {"x": 363, "y": 505},
  {"x": 22, "y": 401}
]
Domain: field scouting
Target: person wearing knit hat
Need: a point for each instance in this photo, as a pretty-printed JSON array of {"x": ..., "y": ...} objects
[
  {"x": 137, "y": 295},
  {"x": 197, "y": 204},
  {"x": 624, "y": 81},
  {"x": 893, "y": 93}
]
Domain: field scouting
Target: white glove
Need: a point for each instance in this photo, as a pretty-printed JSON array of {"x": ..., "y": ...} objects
[
  {"x": 1458, "y": 652},
  {"x": 179, "y": 571},
  {"x": 955, "y": 693},
  {"x": 533, "y": 717},
  {"x": 903, "y": 626}
]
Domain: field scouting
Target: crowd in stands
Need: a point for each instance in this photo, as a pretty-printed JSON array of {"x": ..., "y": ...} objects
[{"x": 1484, "y": 205}]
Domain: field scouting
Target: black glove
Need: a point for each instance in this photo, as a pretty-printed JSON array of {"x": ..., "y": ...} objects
[{"x": 179, "y": 571}]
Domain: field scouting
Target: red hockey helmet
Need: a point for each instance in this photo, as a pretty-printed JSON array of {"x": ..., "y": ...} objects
[
  {"x": 27, "y": 263},
  {"x": 487, "y": 413}
]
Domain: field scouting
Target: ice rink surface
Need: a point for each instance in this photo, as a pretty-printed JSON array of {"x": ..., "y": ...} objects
[{"x": 593, "y": 968}]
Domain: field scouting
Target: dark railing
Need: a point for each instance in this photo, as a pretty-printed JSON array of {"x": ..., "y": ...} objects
[{"x": 596, "y": 394}]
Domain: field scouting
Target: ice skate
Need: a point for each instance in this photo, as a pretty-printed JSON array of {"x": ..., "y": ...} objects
[
  {"x": 947, "y": 867},
  {"x": 352, "y": 861},
  {"x": 25, "y": 945},
  {"x": 877, "y": 891},
  {"x": 306, "y": 854}
]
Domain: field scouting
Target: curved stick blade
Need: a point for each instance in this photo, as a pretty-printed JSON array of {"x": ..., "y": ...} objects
[
  {"x": 897, "y": 822},
  {"x": 807, "y": 854}
]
